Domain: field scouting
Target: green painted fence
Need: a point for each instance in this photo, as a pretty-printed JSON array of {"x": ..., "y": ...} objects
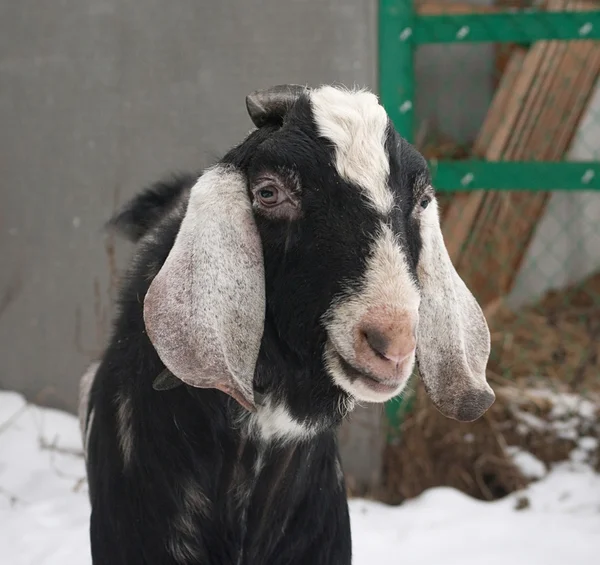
[{"x": 402, "y": 30}]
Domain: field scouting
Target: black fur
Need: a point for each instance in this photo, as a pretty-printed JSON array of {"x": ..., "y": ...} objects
[
  {"x": 189, "y": 493},
  {"x": 146, "y": 209}
]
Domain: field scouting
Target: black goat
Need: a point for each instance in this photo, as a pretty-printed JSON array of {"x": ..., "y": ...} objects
[{"x": 304, "y": 271}]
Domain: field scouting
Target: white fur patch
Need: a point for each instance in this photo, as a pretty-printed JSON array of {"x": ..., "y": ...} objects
[
  {"x": 85, "y": 387},
  {"x": 339, "y": 473},
  {"x": 259, "y": 461},
  {"x": 193, "y": 503},
  {"x": 388, "y": 282},
  {"x": 86, "y": 441},
  {"x": 356, "y": 124},
  {"x": 273, "y": 422},
  {"x": 345, "y": 404},
  {"x": 125, "y": 427}
]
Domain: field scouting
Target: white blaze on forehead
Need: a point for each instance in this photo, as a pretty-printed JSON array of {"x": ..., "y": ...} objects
[
  {"x": 388, "y": 275},
  {"x": 356, "y": 124}
]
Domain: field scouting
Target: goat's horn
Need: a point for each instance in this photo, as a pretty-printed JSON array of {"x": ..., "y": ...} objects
[{"x": 272, "y": 104}]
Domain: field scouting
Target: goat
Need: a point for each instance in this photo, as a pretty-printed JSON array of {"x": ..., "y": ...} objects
[{"x": 303, "y": 272}]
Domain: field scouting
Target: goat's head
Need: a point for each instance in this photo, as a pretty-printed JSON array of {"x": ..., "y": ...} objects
[{"x": 319, "y": 237}]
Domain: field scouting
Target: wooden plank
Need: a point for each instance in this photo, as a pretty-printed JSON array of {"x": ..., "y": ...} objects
[
  {"x": 481, "y": 241},
  {"x": 521, "y": 88},
  {"x": 484, "y": 206},
  {"x": 489, "y": 232},
  {"x": 546, "y": 141},
  {"x": 501, "y": 234},
  {"x": 553, "y": 55},
  {"x": 502, "y": 97},
  {"x": 502, "y": 249},
  {"x": 573, "y": 84},
  {"x": 579, "y": 76},
  {"x": 463, "y": 209},
  {"x": 476, "y": 259},
  {"x": 569, "y": 70},
  {"x": 436, "y": 7}
]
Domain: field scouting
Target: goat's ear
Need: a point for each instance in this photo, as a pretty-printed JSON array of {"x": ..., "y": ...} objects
[
  {"x": 204, "y": 311},
  {"x": 272, "y": 104},
  {"x": 453, "y": 339}
]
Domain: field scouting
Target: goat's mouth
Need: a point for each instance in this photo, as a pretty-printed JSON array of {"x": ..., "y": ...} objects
[
  {"x": 369, "y": 380},
  {"x": 360, "y": 383}
]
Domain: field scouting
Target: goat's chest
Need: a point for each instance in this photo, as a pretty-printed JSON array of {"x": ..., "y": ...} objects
[
  {"x": 259, "y": 504},
  {"x": 264, "y": 485},
  {"x": 257, "y": 500},
  {"x": 242, "y": 515}
]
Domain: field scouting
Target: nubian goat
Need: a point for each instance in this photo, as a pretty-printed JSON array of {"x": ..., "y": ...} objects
[{"x": 306, "y": 270}]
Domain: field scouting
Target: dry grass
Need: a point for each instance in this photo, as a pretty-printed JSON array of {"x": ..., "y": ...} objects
[
  {"x": 434, "y": 451},
  {"x": 475, "y": 458},
  {"x": 558, "y": 338}
]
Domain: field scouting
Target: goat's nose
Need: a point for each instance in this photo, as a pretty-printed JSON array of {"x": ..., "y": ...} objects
[
  {"x": 394, "y": 348},
  {"x": 386, "y": 339}
]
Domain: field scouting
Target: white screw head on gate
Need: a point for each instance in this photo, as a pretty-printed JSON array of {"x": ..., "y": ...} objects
[
  {"x": 585, "y": 29},
  {"x": 406, "y": 106},
  {"x": 405, "y": 34},
  {"x": 467, "y": 179},
  {"x": 588, "y": 176},
  {"x": 463, "y": 32}
]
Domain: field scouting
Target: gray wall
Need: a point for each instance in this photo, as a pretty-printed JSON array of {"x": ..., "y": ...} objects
[{"x": 98, "y": 97}]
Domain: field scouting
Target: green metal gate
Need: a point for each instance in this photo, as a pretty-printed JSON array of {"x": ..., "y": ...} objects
[{"x": 402, "y": 30}]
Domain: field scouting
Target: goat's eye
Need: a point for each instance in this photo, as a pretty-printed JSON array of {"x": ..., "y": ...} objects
[
  {"x": 268, "y": 195},
  {"x": 273, "y": 197},
  {"x": 425, "y": 202}
]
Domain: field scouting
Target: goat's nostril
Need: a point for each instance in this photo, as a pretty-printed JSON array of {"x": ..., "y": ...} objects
[
  {"x": 378, "y": 342},
  {"x": 385, "y": 340},
  {"x": 392, "y": 347}
]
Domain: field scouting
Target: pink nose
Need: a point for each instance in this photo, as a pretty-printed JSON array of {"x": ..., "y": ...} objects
[
  {"x": 390, "y": 347},
  {"x": 385, "y": 340}
]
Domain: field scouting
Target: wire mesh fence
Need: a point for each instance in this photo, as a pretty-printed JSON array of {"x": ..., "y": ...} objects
[{"x": 520, "y": 212}]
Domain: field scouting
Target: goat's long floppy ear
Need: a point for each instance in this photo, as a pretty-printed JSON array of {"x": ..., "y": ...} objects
[
  {"x": 453, "y": 339},
  {"x": 271, "y": 105},
  {"x": 204, "y": 311}
]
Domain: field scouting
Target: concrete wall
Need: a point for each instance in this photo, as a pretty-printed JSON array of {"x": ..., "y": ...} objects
[{"x": 98, "y": 97}]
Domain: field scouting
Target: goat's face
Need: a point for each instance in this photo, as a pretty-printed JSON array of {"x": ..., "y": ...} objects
[
  {"x": 322, "y": 222},
  {"x": 336, "y": 196}
]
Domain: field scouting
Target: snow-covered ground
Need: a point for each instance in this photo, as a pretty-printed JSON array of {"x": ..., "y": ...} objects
[{"x": 44, "y": 509}]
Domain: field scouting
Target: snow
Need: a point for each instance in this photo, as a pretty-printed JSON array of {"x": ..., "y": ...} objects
[
  {"x": 528, "y": 464},
  {"x": 44, "y": 509}
]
